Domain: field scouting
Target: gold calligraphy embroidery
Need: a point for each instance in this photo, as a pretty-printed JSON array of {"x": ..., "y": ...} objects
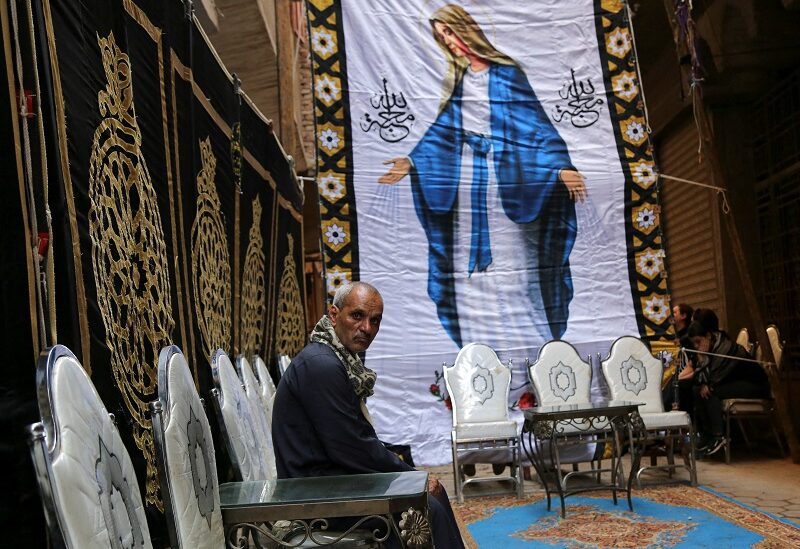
[
  {"x": 253, "y": 299},
  {"x": 211, "y": 265},
  {"x": 291, "y": 328},
  {"x": 129, "y": 253}
]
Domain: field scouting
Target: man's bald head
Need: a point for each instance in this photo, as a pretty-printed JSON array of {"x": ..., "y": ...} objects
[{"x": 356, "y": 315}]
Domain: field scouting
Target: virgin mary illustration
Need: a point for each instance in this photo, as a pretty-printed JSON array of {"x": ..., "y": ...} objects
[{"x": 494, "y": 189}]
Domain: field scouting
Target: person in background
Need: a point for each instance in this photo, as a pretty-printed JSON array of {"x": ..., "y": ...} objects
[
  {"x": 708, "y": 318},
  {"x": 684, "y": 398},
  {"x": 718, "y": 377},
  {"x": 321, "y": 425},
  {"x": 681, "y": 318}
]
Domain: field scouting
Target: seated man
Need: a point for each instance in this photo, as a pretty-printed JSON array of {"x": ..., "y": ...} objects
[
  {"x": 719, "y": 376},
  {"x": 320, "y": 422}
]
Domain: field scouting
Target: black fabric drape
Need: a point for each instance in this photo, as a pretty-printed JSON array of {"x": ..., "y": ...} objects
[{"x": 151, "y": 226}]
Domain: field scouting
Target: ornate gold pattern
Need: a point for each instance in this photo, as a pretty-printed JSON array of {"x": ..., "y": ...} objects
[
  {"x": 211, "y": 265},
  {"x": 291, "y": 330},
  {"x": 128, "y": 251},
  {"x": 254, "y": 291}
]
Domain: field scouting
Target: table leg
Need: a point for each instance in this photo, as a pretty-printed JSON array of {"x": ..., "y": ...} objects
[
  {"x": 555, "y": 460},
  {"x": 636, "y": 432},
  {"x": 533, "y": 450},
  {"x": 616, "y": 456}
]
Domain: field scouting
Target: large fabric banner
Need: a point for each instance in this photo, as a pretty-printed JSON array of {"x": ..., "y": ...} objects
[{"x": 487, "y": 166}]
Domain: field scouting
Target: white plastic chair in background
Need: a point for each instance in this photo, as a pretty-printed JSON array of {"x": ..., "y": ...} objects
[
  {"x": 740, "y": 409},
  {"x": 478, "y": 385},
  {"x": 86, "y": 478},
  {"x": 743, "y": 339},
  {"x": 185, "y": 457}
]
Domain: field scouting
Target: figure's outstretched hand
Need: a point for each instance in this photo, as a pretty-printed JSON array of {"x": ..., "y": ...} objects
[
  {"x": 575, "y": 184},
  {"x": 400, "y": 168}
]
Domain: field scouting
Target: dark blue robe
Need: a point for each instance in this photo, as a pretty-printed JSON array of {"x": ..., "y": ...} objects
[
  {"x": 528, "y": 154},
  {"x": 318, "y": 429}
]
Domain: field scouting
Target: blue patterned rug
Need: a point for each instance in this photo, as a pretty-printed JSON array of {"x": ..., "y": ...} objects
[{"x": 671, "y": 516}]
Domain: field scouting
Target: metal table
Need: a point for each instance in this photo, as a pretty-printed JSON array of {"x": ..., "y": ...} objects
[
  {"x": 308, "y": 503},
  {"x": 581, "y": 424}
]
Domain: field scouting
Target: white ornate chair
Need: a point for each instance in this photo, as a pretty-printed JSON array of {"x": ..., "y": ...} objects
[
  {"x": 283, "y": 363},
  {"x": 236, "y": 420},
  {"x": 743, "y": 339},
  {"x": 634, "y": 374},
  {"x": 266, "y": 387},
  {"x": 739, "y": 409},
  {"x": 260, "y": 413},
  {"x": 560, "y": 376},
  {"x": 86, "y": 479},
  {"x": 478, "y": 385},
  {"x": 185, "y": 454}
]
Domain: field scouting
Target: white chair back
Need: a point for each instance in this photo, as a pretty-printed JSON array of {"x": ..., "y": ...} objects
[
  {"x": 775, "y": 342},
  {"x": 266, "y": 386},
  {"x": 86, "y": 478},
  {"x": 283, "y": 363},
  {"x": 634, "y": 374},
  {"x": 259, "y": 413},
  {"x": 236, "y": 420},
  {"x": 560, "y": 376},
  {"x": 743, "y": 339},
  {"x": 478, "y": 385},
  {"x": 188, "y": 468}
]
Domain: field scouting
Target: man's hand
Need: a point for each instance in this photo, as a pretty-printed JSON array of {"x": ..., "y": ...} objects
[
  {"x": 575, "y": 184},
  {"x": 434, "y": 486},
  {"x": 705, "y": 391},
  {"x": 400, "y": 168}
]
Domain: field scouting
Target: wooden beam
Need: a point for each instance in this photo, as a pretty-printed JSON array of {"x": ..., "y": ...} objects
[{"x": 287, "y": 130}]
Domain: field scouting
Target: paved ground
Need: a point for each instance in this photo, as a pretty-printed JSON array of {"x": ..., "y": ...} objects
[{"x": 762, "y": 480}]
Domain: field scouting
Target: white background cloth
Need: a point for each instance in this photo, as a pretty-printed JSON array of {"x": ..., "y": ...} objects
[{"x": 392, "y": 39}]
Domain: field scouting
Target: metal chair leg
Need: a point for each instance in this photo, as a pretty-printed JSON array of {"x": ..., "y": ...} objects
[
  {"x": 457, "y": 476},
  {"x": 744, "y": 433},
  {"x": 728, "y": 438},
  {"x": 692, "y": 461},
  {"x": 777, "y": 435}
]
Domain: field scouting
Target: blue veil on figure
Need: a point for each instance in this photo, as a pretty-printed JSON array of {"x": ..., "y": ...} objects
[{"x": 535, "y": 179}]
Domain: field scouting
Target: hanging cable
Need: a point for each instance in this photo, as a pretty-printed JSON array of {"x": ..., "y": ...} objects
[
  {"x": 726, "y": 208},
  {"x": 49, "y": 261},
  {"x": 26, "y": 146}
]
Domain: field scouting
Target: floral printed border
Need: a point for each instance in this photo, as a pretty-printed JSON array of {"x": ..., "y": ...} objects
[
  {"x": 334, "y": 154},
  {"x": 646, "y": 257}
]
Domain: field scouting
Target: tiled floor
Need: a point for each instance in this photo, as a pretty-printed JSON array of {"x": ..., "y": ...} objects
[{"x": 761, "y": 480}]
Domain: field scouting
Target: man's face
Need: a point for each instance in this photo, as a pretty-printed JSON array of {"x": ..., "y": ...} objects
[
  {"x": 357, "y": 323},
  {"x": 702, "y": 343},
  {"x": 678, "y": 317}
]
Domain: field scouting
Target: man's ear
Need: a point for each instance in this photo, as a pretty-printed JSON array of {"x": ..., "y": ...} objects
[{"x": 333, "y": 311}]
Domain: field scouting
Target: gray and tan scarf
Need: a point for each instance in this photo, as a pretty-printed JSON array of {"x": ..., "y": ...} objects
[{"x": 361, "y": 378}]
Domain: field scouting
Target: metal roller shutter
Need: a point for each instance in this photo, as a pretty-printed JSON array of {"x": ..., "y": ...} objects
[{"x": 690, "y": 218}]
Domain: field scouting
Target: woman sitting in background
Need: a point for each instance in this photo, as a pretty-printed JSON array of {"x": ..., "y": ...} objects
[{"x": 718, "y": 378}]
